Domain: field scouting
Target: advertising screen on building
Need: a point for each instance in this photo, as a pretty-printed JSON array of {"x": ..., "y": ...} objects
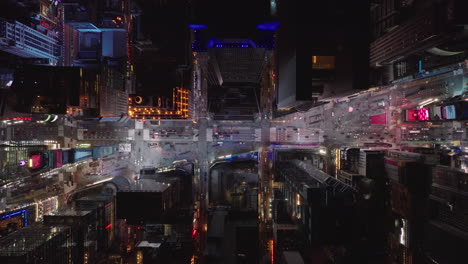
[
  {"x": 36, "y": 161},
  {"x": 103, "y": 151},
  {"x": 378, "y": 119},
  {"x": 57, "y": 158},
  {"x": 412, "y": 115},
  {"x": 67, "y": 156},
  {"x": 423, "y": 114},
  {"x": 81, "y": 154},
  {"x": 449, "y": 111}
]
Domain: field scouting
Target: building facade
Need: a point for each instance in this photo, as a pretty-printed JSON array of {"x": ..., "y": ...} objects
[{"x": 23, "y": 41}]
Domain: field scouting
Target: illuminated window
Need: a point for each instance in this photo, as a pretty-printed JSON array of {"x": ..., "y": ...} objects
[{"x": 323, "y": 62}]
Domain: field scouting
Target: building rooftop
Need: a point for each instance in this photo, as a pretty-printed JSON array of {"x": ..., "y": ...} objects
[
  {"x": 149, "y": 186},
  {"x": 160, "y": 177},
  {"x": 84, "y": 26},
  {"x": 305, "y": 175},
  {"x": 112, "y": 29},
  {"x": 69, "y": 212},
  {"x": 293, "y": 257},
  {"x": 312, "y": 171},
  {"x": 298, "y": 176},
  {"x": 148, "y": 244},
  {"x": 96, "y": 197}
]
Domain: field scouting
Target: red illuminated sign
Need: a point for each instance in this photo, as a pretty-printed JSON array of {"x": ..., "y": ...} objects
[
  {"x": 379, "y": 119},
  {"x": 194, "y": 233},
  {"x": 22, "y": 118},
  {"x": 423, "y": 114},
  {"x": 45, "y": 24},
  {"x": 412, "y": 115}
]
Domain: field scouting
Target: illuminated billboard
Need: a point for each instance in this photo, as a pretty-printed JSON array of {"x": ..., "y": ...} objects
[
  {"x": 380, "y": 119},
  {"x": 36, "y": 161},
  {"x": 423, "y": 114},
  {"x": 57, "y": 158},
  {"x": 449, "y": 112},
  {"x": 412, "y": 115},
  {"x": 81, "y": 154}
]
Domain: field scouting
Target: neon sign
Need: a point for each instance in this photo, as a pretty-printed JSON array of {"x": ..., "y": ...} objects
[{"x": 45, "y": 24}]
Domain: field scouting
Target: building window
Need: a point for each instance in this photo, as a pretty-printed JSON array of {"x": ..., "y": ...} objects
[{"x": 323, "y": 62}]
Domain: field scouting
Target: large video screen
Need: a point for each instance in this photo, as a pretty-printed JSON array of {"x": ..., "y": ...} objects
[
  {"x": 378, "y": 119},
  {"x": 81, "y": 154},
  {"x": 423, "y": 114},
  {"x": 412, "y": 115},
  {"x": 36, "y": 161},
  {"x": 449, "y": 111}
]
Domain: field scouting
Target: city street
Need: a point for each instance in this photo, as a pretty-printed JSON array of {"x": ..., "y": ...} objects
[{"x": 194, "y": 131}]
